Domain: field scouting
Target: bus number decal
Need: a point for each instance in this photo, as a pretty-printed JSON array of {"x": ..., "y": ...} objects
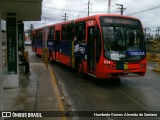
[
  {"x": 107, "y": 62},
  {"x": 134, "y": 53},
  {"x": 91, "y": 23}
]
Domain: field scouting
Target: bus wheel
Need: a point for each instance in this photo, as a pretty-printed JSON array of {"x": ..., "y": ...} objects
[
  {"x": 79, "y": 68},
  {"x": 117, "y": 81}
]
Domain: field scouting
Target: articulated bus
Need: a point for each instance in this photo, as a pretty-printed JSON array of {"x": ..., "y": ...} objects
[{"x": 104, "y": 46}]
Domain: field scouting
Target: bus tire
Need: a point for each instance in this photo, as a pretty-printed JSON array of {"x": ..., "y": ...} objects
[{"x": 117, "y": 81}]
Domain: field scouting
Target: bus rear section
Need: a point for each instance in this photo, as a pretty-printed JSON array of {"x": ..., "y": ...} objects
[{"x": 38, "y": 40}]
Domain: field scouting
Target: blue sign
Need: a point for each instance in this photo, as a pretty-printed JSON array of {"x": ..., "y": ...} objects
[{"x": 135, "y": 53}]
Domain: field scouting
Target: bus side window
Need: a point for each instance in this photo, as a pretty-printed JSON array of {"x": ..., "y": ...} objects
[
  {"x": 80, "y": 31},
  {"x": 98, "y": 44},
  {"x": 38, "y": 34},
  {"x": 58, "y": 35},
  {"x": 64, "y": 32},
  {"x": 51, "y": 33},
  {"x": 70, "y": 31}
]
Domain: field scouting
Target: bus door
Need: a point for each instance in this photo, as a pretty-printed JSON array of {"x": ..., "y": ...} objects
[
  {"x": 57, "y": 45},
  {"x": 45, "y": 30},
  {"x": 91, "y": 50},
  {"x": 33, "y": 41}
]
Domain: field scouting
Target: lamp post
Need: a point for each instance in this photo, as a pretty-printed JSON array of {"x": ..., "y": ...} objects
[{"x": 109, "y": 6}]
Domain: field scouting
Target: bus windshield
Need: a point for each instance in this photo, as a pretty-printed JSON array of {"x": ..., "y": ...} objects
[{"x": 123, "y": 41}]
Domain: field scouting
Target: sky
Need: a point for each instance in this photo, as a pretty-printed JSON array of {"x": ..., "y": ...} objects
[{"x": 53, "y": 11}]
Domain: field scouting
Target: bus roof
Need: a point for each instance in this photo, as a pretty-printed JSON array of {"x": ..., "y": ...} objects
[{"x": 88, "y": 18}]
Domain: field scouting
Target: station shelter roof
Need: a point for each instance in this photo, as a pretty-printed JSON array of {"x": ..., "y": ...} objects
[{"x": 26, "y": 10}]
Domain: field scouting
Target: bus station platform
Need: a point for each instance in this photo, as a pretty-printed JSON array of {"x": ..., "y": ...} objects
[{"x": 36, "y": 91}]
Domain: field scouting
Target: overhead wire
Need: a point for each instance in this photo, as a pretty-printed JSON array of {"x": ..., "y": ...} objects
[
  {"x": 82, "y": 11},
  {"x": 145, "y": 10},
  {"x": 151, "y": 21},
  {"x": 85, "y": 11},
  {"x": 70, "y": 10}
]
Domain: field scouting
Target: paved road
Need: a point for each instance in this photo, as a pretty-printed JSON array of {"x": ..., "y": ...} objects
[{"x": 89, "y": 94}]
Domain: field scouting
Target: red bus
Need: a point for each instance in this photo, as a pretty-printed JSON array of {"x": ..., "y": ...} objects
[{"x": 104, "y": 46}]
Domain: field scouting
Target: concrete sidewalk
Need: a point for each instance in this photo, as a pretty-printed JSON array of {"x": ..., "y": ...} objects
[{"x": 36, "y": 92}]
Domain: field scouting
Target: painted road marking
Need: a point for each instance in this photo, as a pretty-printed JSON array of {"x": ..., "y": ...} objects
[{"x": 57, "y": 94}]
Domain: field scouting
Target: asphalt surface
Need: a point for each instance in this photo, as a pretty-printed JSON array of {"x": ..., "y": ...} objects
[
  {"x": 90, "y": 94},
  {"x": 140, "y": 94}
]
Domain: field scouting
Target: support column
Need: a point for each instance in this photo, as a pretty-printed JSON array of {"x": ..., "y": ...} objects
[
  {"x": 20, "y": 33},
  {"x": 12, "y": 79},
  {"x": 1, "y": 77}
]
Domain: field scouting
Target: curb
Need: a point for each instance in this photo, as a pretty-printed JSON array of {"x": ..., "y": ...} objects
[
  {"x": 57, "y": 94},
  {"x": 155, "y": 69}
]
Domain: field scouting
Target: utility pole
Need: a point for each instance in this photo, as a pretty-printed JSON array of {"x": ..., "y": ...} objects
[
  {"x": 147, "y": 36},
  {"x": 31, "y": 28},
  {"x": 121, "y": 8},
  {"x": 145, "y": 30},
  {"x": 157, "y": 31},
  {"x": 65, "y": 17},
  {"x": 109, "y": 6},
  {"x": 88, "y": 6}
]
